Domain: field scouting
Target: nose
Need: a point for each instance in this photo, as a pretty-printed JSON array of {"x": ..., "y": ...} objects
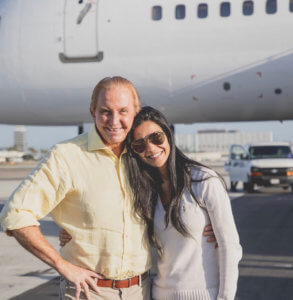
[
  {"x": 149, "y": 147},
  {"x": 115, "y": 119}
]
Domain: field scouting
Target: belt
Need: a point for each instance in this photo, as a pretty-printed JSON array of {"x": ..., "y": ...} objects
[{"x": 120, "y": 284}]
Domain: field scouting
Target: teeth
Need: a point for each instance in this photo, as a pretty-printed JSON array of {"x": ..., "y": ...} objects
[
  {"x": 114, "y": 129},
  {"x": 155, "y": 155}
]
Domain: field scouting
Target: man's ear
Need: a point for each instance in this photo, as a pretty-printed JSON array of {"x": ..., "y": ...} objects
[{"x": 92, "y": 114}]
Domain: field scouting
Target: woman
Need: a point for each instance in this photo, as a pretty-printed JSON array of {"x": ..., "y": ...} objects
[{"x": 177, "y": 197}]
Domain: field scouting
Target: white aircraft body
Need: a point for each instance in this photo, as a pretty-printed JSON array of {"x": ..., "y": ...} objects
[{"x": 196, "y": 60}]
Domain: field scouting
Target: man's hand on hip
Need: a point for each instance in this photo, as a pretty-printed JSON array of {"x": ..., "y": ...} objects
[
  {"x": 209, "y": 232},
  {"x": 33, "y": 240},
  {"x": 82, "y": 279}
]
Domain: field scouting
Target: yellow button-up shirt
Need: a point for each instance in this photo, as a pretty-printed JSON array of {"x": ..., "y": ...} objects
[{"x": 84, "y": 186}]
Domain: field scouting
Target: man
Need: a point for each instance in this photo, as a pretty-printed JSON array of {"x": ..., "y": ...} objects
[{"x": 82, "y": 183}]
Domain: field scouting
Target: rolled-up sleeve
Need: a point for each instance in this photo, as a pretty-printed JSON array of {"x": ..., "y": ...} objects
[{"x": 37, "y": 195}]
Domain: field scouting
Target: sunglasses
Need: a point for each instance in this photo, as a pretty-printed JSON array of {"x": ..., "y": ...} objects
[{"x": 156, "y": 138}]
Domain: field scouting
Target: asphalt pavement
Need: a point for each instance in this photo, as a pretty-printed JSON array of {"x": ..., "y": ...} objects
[{"x": 265, "y": 223}]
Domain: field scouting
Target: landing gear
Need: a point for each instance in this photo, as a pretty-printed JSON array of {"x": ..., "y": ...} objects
[{"x": 233, "y": 185}]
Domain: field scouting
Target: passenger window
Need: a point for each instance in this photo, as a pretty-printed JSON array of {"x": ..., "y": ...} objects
[
  {"x": 180, "y": 12},
  {"x": 156, "y": 13},
  {"x": 291, "y": 6},
  {"x": 247, "y": 8},
  {"x": 202, "y": 10},
  {"x": 271, "y": 6},
  {"x": 225, "y": 9}
]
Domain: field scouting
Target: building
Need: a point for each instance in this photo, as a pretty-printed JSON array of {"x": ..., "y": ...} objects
[
  {"x": 219, "y": 140},
  {"x": 11, "y": 156},
  {"x": 186, "y": 142},
  {"x": 20, "y": 138}
]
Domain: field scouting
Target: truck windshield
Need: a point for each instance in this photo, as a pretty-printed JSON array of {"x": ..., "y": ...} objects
[{"x": 270, "y": 152}]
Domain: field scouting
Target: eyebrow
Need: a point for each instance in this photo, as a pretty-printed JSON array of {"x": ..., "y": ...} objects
[{"x": 108, "y": 108}]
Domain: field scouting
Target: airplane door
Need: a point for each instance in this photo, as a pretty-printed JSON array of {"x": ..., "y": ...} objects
[{"x": 80, "y": 31}]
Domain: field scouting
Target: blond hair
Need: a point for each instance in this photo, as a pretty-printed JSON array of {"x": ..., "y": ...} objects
[{"x": 109, "y": 82}]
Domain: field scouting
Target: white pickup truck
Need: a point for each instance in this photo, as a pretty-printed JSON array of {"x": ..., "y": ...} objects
[{"x": 265, "y": 164}]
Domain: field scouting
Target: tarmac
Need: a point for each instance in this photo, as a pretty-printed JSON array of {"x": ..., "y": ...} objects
[
  {"x": 23, "y": 276},
  {"x": 22, "y": 273},
  {"x": 265, "y": 225}
]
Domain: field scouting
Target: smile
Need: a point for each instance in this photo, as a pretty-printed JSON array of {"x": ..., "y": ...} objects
[
  {"x": 114, "y": 129},
  {"x": 154, "y": 155}
]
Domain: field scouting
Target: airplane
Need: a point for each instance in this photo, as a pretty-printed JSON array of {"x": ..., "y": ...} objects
[{"x": 196, "y": 61}]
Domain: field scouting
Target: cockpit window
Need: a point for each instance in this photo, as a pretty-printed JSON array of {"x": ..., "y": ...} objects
[
  {"x": 156, "y": 13},
  {"x": 247, "y": 8},
  {"x": 291, "y": 5},
  {"x": 225, "y": 9},
  {"x": 258, "y": 152},
  {"x": 202, "y": 10},
  {"x": 271, "y": 6},
  {"x": 180, "y": 12}
]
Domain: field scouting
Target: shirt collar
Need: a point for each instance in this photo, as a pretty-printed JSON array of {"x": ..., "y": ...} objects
[{"x": 96, "y": 143}]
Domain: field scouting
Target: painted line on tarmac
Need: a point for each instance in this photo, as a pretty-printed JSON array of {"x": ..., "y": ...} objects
[
  {"x": 236, "y": 195},
  {"x": 266, "y": 266}
]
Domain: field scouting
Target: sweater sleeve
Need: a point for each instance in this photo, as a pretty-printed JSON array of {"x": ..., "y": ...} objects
[{"x": 217, "y": 203}]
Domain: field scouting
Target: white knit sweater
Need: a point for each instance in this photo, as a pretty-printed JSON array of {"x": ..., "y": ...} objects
[{"x": 191, "y": 268}]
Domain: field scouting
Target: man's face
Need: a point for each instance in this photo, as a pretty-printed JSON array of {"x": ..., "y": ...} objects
[{"x": 114, "y": 114}]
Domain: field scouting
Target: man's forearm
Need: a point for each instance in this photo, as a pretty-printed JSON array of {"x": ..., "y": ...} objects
[{"x": 33, "y": 240}]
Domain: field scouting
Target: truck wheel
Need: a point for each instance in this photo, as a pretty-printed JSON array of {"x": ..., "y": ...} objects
[{"x": 249, "y": 187}]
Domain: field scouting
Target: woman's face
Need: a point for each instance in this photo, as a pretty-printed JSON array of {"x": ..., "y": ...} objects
[{"x": 153, "y": 155}]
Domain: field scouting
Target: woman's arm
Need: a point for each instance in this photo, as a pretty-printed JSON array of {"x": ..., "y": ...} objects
[{"x": 218, "y": 205}]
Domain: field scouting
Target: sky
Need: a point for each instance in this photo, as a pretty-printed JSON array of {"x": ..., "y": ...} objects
[{"x": 44, "y": 137}]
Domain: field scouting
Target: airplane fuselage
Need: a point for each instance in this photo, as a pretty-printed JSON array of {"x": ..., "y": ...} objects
[{"x": 217, "y": 68}]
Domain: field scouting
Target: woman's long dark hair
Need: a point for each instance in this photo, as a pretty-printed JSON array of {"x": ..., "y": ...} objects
[{"x": 145, "y": 180}]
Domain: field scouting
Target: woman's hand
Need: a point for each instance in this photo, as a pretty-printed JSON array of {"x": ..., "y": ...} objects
[{"x": 64, "y": 237}]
